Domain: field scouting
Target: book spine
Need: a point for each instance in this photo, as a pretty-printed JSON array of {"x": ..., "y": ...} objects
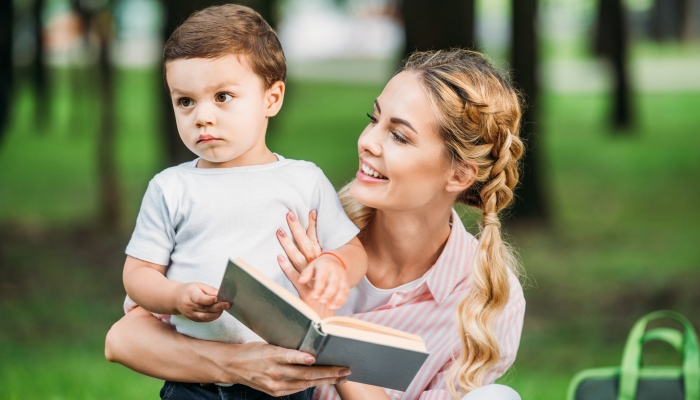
[{"x": 314, "y": 340}]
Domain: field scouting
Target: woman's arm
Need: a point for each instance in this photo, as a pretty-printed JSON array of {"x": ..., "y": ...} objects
[{"x": 141, "y": 342}]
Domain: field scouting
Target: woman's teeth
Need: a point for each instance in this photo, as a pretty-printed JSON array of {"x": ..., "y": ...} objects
[{"x": 369, "y": 171}]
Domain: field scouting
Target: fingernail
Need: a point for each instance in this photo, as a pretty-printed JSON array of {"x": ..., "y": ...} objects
[
  {"x": 341, "y": 380},
  {"x": 281, "y": 232},
  {"x": 292, "y": 216},
  {"x": 280, "y": 259},
  {"x": 314, "y": 214},
  {"x": 344, "y": 372},
  {"x": 309, "y": 359}
]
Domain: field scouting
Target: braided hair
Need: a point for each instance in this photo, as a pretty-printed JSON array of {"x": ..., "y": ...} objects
[{"x": 478, "y": 114}]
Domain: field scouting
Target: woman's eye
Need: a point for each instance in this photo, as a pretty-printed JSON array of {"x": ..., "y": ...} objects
[
  {"x": 398, "y": 138},
  {"x": 223, "y": 97},
  {"x": 372, "y": 118},
  {"x": 185, "y": 102}
]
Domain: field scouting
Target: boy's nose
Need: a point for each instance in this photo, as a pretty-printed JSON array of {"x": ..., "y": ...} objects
[{"x": 205, "y": 116}]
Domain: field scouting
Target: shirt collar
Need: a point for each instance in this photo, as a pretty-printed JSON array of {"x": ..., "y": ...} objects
[{"x": 454, "y": 263}]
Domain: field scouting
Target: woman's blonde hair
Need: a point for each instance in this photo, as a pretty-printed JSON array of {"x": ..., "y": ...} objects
[{"x": 478, "y": 114}]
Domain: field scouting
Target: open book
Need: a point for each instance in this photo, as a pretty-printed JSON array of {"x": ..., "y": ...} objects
[{"x": 376, "y": 355}]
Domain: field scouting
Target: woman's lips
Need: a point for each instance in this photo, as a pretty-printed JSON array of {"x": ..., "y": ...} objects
[{"x": 368, "y": 175}]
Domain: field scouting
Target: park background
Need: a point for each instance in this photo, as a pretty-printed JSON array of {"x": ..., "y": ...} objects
[{"x": 606, "y": 223}]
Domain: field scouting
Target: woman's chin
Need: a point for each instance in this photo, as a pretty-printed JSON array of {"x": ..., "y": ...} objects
[{"x": 365, "y": 195}]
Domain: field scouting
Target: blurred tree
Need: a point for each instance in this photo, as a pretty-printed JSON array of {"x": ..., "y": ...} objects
[
  {"x": 532, "y": 203},
  {"x": 176, "y": 12},
  {"x": 611, "y": 43},
  {"x": 41, "y": 86},
  {"x": 110, "y": 193},
  {"x": 438, "y": 24},
  {"x": 671, "y": 19},
  {"x": 6, "y": 22}
]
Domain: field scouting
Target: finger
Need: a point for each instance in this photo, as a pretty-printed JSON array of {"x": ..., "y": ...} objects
[
  {"x": 340, "y": 297},
  {"x": 214, "y": 308},
  {"x": 291, "y": 273},
  {"x": 331, "y": 288},
  {"x": 307, "y": 274},
  {"x": 202, "y": 299},
  {"x": 320, "y": 282},
  {"x": 305, "y": 244},
  {"x": 312, "y": 234},
  {"x": 200, "y": 316},
  {"x": 298, "y": 259}
]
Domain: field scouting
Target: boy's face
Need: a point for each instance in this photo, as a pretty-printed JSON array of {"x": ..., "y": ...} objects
[{"x": 221, "y": 109}]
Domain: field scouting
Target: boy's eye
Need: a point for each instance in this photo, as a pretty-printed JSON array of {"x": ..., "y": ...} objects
[
  {"x": 223, "y": 97},
  {"x": 186, "y": 102}
]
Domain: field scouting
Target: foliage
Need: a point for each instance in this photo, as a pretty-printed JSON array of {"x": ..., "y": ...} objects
[{"x": 623, "y": 242}]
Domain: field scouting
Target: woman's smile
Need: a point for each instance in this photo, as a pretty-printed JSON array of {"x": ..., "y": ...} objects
[{"x": 368, "y": 173}]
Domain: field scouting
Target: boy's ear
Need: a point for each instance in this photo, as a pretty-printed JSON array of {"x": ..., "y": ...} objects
[
  {"x": 274, "y": 96},
  {"x": 461, "y": 177}
]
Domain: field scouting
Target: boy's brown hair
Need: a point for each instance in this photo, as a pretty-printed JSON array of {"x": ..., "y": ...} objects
[{"x": 219, "y": 31}]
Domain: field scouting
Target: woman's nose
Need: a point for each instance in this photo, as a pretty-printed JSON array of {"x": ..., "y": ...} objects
[{"x": 369, "y": 141}]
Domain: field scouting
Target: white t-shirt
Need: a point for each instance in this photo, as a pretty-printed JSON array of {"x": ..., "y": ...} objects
[
  {"x": 194, "y": 219},
  {"x": 365, "y": 297}
]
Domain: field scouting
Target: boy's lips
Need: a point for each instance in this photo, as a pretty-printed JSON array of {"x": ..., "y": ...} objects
[{"x": 206, "y": 138}]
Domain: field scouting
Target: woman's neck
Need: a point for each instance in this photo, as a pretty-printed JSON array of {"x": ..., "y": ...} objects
[{"x": 402, "y": 246}]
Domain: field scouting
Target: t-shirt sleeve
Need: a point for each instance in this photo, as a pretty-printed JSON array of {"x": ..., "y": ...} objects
[
  {"x": 334, "y": 228},
  {"x": 154, "y": 236}
]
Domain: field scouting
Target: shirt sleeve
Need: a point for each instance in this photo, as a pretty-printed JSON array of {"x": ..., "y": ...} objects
[
  {"x": 334, "y": 228},
  {"x": 154, "y": 236}
]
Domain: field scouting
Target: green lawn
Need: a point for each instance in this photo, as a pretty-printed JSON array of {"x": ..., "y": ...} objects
[{"x": 623, "y": 241}]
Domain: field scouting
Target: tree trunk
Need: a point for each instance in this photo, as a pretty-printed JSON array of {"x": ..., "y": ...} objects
[
  {"x": 532, "y": 203},
  {"x": 6, "y": 69},
  {"x": 110, "y": 194},
  {"x": 670, "y": 19},
  {"x": 439, "y": 24},
  {"x": 611, "y": 43},
  {"x": 39, "y": 70}
]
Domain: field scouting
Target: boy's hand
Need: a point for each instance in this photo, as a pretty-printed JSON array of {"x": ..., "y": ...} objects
[
  {"x": 330, "y": 278},
  {"x": 197, "y": 302}
]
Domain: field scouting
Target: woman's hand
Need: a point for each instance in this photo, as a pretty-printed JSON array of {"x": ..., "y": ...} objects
[
  {"x": 280, "y": 372},
  {"x": 141, "y": 342},
  {"x": 301, "y": 262}
]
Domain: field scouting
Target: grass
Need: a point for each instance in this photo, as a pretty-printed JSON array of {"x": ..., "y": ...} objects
[{"x": 622, "y": 242}]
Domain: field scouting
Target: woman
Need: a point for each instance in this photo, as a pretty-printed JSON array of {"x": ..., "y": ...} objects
[{"x": 444, "y": 130}]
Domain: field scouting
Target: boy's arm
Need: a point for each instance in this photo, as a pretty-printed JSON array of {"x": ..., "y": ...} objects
[{"x": 146, "y": 284}]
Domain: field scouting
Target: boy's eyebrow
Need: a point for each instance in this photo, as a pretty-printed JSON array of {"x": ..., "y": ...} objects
[
  {"x": 396, "y": 120},
  {"x": 208, "y": 88}
]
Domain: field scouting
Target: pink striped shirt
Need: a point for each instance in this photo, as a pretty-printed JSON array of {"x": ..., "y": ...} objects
[{"x": 428, "y": 310}]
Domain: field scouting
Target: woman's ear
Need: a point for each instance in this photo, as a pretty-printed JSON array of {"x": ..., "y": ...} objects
[
  {"x": 274, "y": 97},
  {"x": 462, "y": 177}
]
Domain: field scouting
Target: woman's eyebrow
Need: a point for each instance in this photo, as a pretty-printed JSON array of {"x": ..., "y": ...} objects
[
  {"x": 403, "y": 122},
  {"x": 376, "y": 104}
]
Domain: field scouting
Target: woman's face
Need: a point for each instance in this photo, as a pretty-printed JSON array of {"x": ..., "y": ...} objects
[{"x": 403, "y": 165}]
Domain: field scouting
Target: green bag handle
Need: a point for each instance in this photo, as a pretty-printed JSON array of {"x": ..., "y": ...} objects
[{"x": 685, "y": 343}]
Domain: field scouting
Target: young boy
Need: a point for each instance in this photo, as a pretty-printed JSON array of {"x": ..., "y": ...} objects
[{"x": 225, "y": 73}]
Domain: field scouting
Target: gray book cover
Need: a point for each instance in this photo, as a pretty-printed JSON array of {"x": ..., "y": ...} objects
[{"x": 283, "y": 319}]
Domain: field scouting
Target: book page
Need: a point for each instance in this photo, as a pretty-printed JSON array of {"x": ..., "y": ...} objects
[
  {"x": 371, "y": 336},
  {"x": 368, "y": 326}
]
